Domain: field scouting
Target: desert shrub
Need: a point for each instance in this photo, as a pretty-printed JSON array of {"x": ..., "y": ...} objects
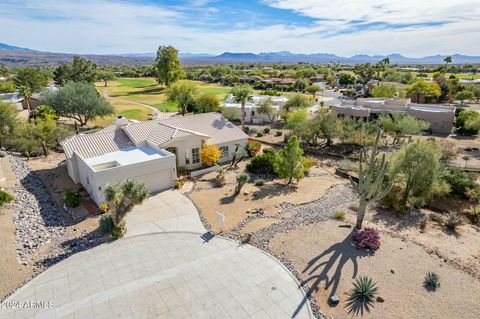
[
  {"x": 452, "y": 220},
  {"x": 72, "y": 199},
  {"x": 278, "y": 133},
  {"x": 246, "y": 129},
  {"x": 3, "y": 154},
  {"x": 103, "y": 208},
  {"x": 364, "y": 290},
  {"x": 309, "y": 162},
  {"x": 348, "y": 165},
  {"x": 259, "y": 134},
  {"x": 393, "y": 200},
  {"x": 210, "y": 154},
  {"x": 339, "y": 214},
  {"x": 262, "y": 164},
  {"x": 266, "y": 130},
  {"x": 106, "y": 224},
  {"x": 178, "y": 183},
  {"x": 259, "y": 182},
  {"x": 242, "y": 179},
  {"x": 120, "y": 230},
  {"x": 367, "y": 238},
  {"x": 253, "y": 147},
  {"x": 268, "y": 150},
  {"x": 5, "y": 197},
  {"x": 432, "y": 280},
  {"x": 460, "y": 181},
  {"x": 219, "y": 179}
]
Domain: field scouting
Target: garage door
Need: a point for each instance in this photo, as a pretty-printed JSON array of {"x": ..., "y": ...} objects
[{"x": 157, "y": 181}]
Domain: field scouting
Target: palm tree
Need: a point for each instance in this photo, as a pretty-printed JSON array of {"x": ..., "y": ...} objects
[
  {"x": 447, "y": 60},
  {"x": 29, "y": 81},
  {"x": 242, "y": 94},
  {"x": 121, "y": 198}
]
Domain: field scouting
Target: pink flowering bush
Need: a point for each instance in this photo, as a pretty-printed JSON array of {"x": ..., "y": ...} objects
[{"x": 366, "y": 238}]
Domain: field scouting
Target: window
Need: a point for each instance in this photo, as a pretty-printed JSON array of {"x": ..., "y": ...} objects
[
  {"x": 195, "y": 155},
  {"x": 225, "y": 151}
]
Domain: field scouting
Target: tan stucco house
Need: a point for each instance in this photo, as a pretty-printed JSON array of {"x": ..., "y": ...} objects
[
  {"x": 149, "y": 152},
  {"x": 441, "y": 117}
]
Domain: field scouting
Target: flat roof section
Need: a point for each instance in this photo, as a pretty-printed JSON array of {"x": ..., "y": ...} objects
[{"x": 127, "y": 156}]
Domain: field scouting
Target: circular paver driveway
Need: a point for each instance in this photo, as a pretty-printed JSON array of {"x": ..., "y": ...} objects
[{"x": 169, "y": 275}]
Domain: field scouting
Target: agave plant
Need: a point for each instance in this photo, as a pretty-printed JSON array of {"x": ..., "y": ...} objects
[
  {"x": 364, "y": 290},
  {"x": 432, "y": 280}
]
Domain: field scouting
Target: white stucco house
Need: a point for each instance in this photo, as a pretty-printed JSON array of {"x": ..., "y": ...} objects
[
  {"x": 149, "y": 152},
  {"x": 251, "y": 108}
]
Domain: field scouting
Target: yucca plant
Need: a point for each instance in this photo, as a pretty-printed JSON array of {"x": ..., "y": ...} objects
[
  {"x": 432, "y": 280},
  {"x": 364, "y": 290}
]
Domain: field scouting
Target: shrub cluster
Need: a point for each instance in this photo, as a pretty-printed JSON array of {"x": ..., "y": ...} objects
[
  {"x": 262, "y": 164},
  {"x": 5, "y": 198},
  {"x": 367, "y": 238},
  {"x": 72, "y": 199},
  {"x": 253, "y": 147}
]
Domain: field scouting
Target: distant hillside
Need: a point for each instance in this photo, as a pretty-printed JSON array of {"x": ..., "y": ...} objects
[
  {"x": 15, "y": 56},
  {"x": 4, "y": 46}
]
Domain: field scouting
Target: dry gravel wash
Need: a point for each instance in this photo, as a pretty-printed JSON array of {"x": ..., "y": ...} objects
[{"x": 43, "y": 234}]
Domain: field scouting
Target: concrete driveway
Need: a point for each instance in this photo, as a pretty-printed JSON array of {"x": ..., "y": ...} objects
[
  {"x": 168, "y": 211},
  {"x": 167, "y": 275}
]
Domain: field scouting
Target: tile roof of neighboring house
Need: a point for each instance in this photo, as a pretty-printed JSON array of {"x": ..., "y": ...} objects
[
  {"x": 213, "y": 126},
  {"x": 107, "y": 140}
]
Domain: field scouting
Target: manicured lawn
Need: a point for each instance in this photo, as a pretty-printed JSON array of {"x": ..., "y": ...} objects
[{"x": 125, "y": 109}]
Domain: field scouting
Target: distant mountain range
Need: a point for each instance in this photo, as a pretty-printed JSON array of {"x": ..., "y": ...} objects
[{"x": 16, "y": 56}]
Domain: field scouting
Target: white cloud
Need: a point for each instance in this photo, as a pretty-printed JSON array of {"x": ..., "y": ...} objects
[{"x": 107, "y": 26}]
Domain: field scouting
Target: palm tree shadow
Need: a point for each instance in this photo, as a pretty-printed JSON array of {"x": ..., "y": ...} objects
[
  {"x": 319, "y": 268},
  {"x": 357, "y": 307}
]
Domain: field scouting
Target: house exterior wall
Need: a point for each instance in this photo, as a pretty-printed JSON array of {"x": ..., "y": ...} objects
[
  {"x": 163, "y": 170},
  {"x": 252, "y": 115},
  {"x": 184, "y": 149},
  {"x": 72, "y": 168}
]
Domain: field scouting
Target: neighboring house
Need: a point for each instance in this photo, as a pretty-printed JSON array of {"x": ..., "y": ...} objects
[
  {"x": 251, "y": 108},
  {"x": 12, "y": 98},
  {"x": 441, "y": 117},
  {"x": 150, "y": 152}
]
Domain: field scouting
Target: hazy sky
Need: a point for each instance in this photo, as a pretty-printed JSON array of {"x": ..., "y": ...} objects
[{"x": 344, "y": 27}]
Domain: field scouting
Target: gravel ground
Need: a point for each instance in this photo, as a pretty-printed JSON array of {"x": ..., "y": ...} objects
[{"x": 44, "y": 235}]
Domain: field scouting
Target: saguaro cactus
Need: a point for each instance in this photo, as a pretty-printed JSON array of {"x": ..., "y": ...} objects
[{"x": 370, "y": 186}]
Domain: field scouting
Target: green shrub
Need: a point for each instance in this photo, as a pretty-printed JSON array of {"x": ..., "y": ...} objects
[
  {"x": 309, "y": 162},
  {"x": 5, "y": 198},
  {"x": 268, "y": 150},
  {"x": 262, "y": 164},
  {"x": 72, "y": 199},
  {"x": 259, "y": 182},
  {"x": 266, "y": 130},
  {"x": 106, "y": 224},
  {"x": 253, "y": 147},
  {"x": 103, "y": 208},
  {"x": 259, "y": 134},
  {"x": 246, "y": 129},
  {"x": 339, "y": 214},
  {"x": 432, "y": 280},
  {"x": 278, "y": 133},
  {"x": 364, "y": 290},
  {"x": 460, "y": 181},
  {"x": 120, "y": 230}
]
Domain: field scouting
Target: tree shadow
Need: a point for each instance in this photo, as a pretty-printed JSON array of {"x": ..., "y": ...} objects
[
  {"x": 147, "y": 90},
  {"x": 273, "y": 190},
  {"x": 76, "y": 245},
  {"x": 228, "y": 199},
  {"x": 319, "y": 267},
  {"x": 358, "y": 307},
  {"x": 222, "y": 122}
]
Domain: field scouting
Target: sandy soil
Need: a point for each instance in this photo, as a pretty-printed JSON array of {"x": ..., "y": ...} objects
[
  {"x": 461, "y": 247},
  {"x": 12, "y": 273},
  {"x": 323, "y": 255},
  {"x": 267, "y": 197}
]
